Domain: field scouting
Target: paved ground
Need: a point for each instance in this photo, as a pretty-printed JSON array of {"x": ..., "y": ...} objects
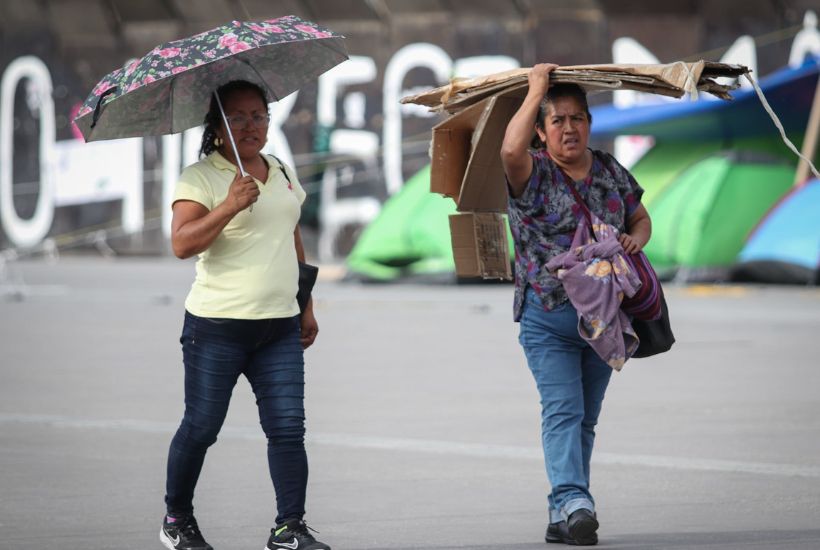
[{"x": 423, "y": 420}]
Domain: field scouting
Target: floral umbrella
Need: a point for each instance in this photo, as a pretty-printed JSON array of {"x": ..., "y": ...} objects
[{"x": 169, "y": 89}]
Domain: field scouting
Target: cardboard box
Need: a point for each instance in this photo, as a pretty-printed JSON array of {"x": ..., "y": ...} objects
[
  {"x": 466, "y": 155},
  {"x": 480, "y": 246}
]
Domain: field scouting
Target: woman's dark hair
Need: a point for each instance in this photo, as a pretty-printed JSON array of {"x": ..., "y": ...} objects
[
  {"x": 559, "y": 91},
  {"x": 214, "y": 118}
]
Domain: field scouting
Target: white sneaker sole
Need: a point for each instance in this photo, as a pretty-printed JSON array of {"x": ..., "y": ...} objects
[{"x": 166, "y": 542}]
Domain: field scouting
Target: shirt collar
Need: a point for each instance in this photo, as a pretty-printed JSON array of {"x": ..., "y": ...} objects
[{"x": 221, "y": 163}]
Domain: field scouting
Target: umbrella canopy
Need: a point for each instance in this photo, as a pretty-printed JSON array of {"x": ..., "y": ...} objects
[{"x": 169, "y": 89}]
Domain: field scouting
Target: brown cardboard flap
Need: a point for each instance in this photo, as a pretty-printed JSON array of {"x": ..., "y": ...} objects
[
  {"x": 480, "y": 247},
  {"x": 451, "y": 151},
  {"x": 484, "y": 188}
]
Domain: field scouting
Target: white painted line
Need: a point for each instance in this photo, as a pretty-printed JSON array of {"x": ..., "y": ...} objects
[{"x": 429, "y": 446}]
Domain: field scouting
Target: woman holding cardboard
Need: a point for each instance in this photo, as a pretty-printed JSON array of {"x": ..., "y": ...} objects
[{"x": 544, "y": 215}]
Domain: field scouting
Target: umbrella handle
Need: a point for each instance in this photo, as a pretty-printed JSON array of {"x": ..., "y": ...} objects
[{"x": 233, "y": 143}]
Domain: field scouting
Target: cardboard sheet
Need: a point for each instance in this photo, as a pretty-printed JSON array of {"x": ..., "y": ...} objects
[{"x": 670, "y": 79}]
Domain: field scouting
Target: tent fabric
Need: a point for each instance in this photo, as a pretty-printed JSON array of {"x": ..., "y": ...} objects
[
  {"x": 790, "y": 232},
  {"x": 659, "y": 167},
  {"x": 665, "y": 161},
  {"x": 790, "y": 93},
  {"x": 773, "y": 272},
  {"x": 411, "y": 235},
  {"x": 702, "y": 218}
]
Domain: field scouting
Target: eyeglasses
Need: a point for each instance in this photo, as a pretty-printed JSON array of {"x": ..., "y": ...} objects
[{"x": 237, "y": 122}]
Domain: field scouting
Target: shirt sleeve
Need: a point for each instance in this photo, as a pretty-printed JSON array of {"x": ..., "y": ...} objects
[
  {"x": 193, "y": 186},
  {"x": 629, "y": 189},
  {"x": 540, "y": 171}
]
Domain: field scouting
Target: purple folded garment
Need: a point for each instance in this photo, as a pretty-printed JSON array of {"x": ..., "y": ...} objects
[{"x": 596, "y": 277}]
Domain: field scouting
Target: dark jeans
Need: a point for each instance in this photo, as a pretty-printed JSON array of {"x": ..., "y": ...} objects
[{"x": 215, "y": 352}]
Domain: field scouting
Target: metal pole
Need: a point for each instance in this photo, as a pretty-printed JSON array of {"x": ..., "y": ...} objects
[
  {"x": 233, "y": 143},
  {"x": 230, "y": 135},
  {"x": 810, "y": 139}
]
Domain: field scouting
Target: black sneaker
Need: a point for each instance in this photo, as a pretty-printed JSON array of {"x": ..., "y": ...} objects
[
  {"x": 294, "y": 535},
  {"x": 183, "y": 534}
]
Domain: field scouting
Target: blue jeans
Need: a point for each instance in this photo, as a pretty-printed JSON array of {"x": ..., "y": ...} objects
[
  {"x": 215, "y": 352},
  {"x": 572, "y": 380}
]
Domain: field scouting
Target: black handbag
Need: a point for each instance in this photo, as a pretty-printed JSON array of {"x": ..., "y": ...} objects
[
  {"x": 307, "y": 278},
  {"x": 655, "y": 336}
]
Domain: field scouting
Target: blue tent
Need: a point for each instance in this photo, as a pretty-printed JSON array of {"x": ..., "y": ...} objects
[
  {"x": 789, "y": 92},
  {"x": 786, "y": 240}
]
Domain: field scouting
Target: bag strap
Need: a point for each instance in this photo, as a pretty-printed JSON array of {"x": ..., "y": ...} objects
[
  {"x": 568, "y": 181},
  {"x": 282, "y": 168}
]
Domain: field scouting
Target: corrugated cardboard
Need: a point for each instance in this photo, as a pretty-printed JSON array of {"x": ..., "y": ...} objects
[
  {"x": 484, "y": 188},
  {"x": 480, "y": 247},
  {"x": 672, "y": 79},
  {"x": 466, "y": 155},
  {"x": 451, "y": 150}
]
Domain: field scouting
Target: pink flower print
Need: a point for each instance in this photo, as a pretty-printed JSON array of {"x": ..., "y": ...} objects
[
  {"x": 132, "y": 66},
  {"x": 149, "y": 79},
  {"x": 177, "y": 70},
  {"x": 238, "y": 47},
  {"x": 613, "y": 205},
  {"x": 226, "y": 40},
  {"x": 312, "y": 30},
  {"x": 169, "y": 52},
  {"x": 265, "y": 28},
  {"x": 82, "y": 112},
  {"x": 305, "y": 28},
  {"x": 101, "y": 87}
]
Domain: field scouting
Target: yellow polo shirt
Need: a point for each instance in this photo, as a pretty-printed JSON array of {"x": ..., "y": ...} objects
[{"x": 250, "y": 271}]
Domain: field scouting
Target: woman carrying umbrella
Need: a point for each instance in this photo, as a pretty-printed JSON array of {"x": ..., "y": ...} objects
[
  {"x": 238, "y": 210},
  {"x": 241, "y": 313}
]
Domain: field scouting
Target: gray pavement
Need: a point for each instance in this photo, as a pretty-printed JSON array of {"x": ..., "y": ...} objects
[{"x": 423, "y": 420}]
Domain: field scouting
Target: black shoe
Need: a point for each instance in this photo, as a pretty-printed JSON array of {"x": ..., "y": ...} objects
[
  {"x": 293, "y": 535},
  {"x": 183, "y": 534},
  {"x": 560, "y": 532},
  {"x": 582, "y": 525}
]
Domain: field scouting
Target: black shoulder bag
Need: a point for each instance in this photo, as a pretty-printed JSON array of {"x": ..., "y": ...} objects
[{"x": 655, "y": 335}]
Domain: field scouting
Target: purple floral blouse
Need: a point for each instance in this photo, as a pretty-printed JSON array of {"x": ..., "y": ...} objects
[{"x": 544, "y": 218}]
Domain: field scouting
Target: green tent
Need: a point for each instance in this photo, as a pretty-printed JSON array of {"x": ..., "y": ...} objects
[
  {"x": 666, "y": 161},
  {"x": 410, "y": 236},
  {"x": 702, "y": 217},
  {"x": 703, "y": 205}
]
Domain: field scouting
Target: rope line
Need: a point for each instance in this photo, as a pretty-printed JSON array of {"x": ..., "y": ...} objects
[{"x": 777, "y": 123}]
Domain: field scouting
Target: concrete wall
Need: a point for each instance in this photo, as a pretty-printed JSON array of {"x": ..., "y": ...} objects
[{"x": 56, "y": 191}]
